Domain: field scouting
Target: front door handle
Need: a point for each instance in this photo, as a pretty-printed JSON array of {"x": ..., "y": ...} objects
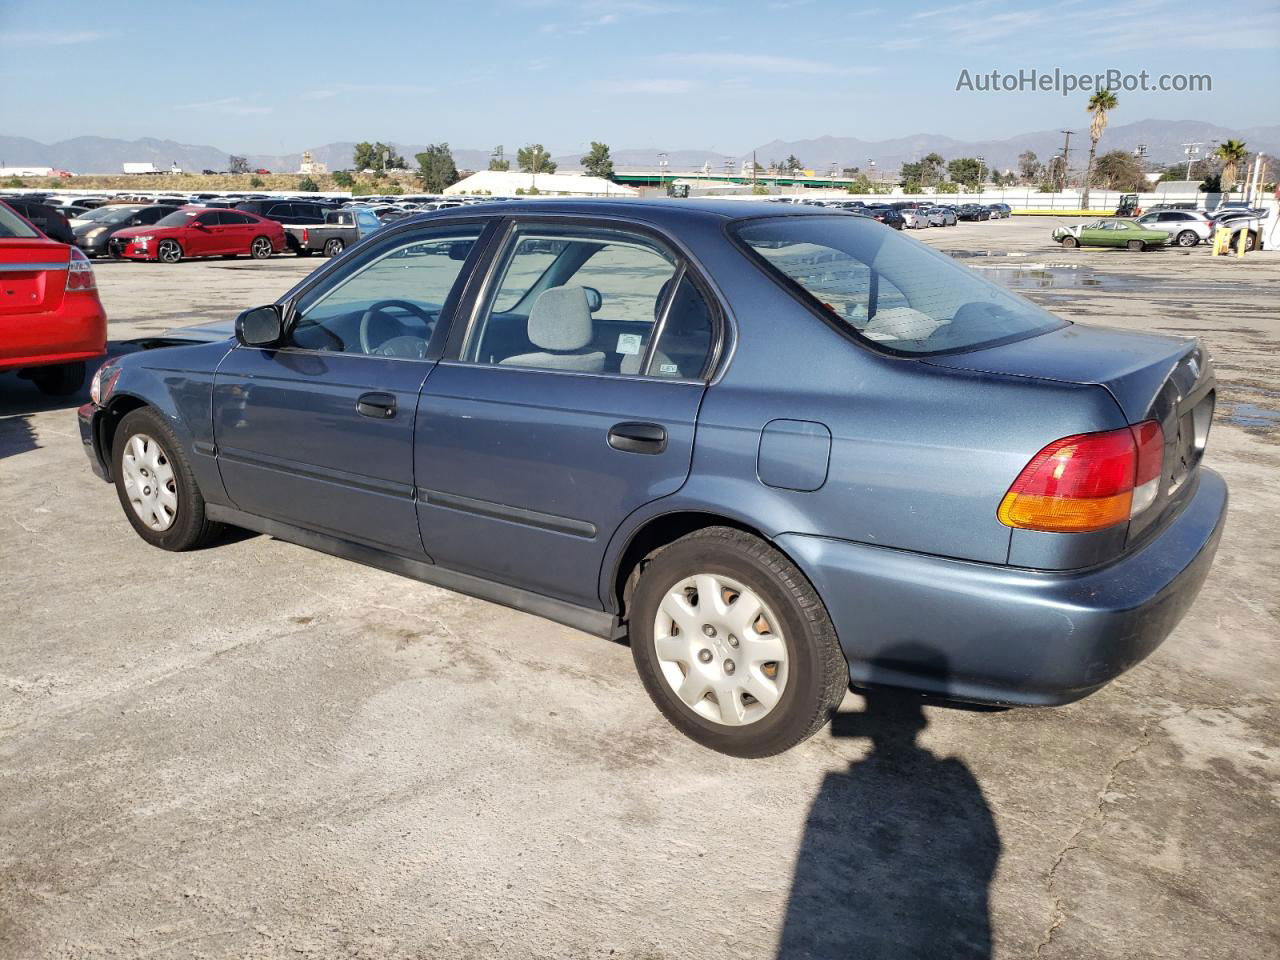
[
  {"x": 638, "y": 437},
  {"x": 379, "y": 406}
]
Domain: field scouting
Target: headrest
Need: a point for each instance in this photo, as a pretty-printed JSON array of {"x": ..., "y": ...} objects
[{"x": 560, "y": 319}]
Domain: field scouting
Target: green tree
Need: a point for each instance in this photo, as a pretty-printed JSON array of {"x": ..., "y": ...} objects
[
  {"x": 1232, "y": 153},
  {"x": 947, "y": 186},
  {"x": 237, "y": 164},
  {"x": 1100, "y": 104},
  {"x": 965, "y": 170},
  {"x": 255, "y": 181},
  {"x": 1028, "y": 165},
  {"x": 860, "y": 183},
  {"x": 344, "y": 179},
  {"x": 307, "y": 185},
  {"x": 378, "y": 157},
  {"x": 1120, "y": 170},
  {"x": 535, "y": 159},
  {"x": 931, "y": 168},
  {"x": 436, "y": 169},
  {"x": 497, "y": 161},
  {"x": 598, "y": 163},
  {"x": 792, "y": 164}
]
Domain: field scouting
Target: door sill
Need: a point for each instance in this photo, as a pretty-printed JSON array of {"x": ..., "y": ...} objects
[{"x": 595, "y": 622}]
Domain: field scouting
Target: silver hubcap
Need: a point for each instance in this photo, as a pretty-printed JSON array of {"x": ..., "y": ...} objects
[
  {"x": 169, "y": 251},
  {"x": 720, "y": 650},
  {"x": 261, "y": 247},
  {"x": 335, "y": 247},
  {"x": 149, "y": 482}
]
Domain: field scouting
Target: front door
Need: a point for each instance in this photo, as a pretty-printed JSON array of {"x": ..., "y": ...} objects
[
  {"x": 571, "y": 403},
  {"x": 319, "y": 432}
]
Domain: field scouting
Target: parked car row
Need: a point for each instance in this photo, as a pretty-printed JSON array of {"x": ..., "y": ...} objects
[
  {"x": 911, "y": 214},
  {"x": 1163, "y": 225}
]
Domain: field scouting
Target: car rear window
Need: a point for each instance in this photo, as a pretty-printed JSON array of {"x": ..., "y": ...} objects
[
  {"x": 13, "y": 226},
  {"x": 888, "y": 289}
]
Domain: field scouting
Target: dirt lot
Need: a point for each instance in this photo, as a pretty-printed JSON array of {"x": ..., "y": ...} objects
[{"x": 255, "y": 750}]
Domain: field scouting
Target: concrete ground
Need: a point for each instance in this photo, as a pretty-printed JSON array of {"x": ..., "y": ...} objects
[{"x": 259, "y": 751}]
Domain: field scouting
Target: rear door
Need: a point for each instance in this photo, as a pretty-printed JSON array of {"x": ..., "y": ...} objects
[
  {"x": 551, "y": 420},
  {"x": 237, "y": 231}
]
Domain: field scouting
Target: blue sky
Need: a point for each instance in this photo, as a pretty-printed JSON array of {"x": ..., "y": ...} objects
[{"x": 279, "y": 76}]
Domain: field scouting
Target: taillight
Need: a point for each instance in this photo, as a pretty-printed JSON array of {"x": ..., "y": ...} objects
[
  {"x": 80, "y": 273},
  {"x": 306, "y": 236},
  {"x": 1090, "y": 481}
]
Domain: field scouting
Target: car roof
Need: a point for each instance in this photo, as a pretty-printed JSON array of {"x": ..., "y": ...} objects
[{"x": 657, "y": 210}]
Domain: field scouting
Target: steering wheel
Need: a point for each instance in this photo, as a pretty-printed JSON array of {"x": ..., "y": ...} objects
[{"x": 366, "y": 318}]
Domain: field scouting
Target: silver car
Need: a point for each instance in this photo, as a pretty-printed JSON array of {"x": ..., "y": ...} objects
[
  {"x": 1186, "y": 228},
  {"x": 941, "y": 217},
  {"x": 914, "y": 219}
]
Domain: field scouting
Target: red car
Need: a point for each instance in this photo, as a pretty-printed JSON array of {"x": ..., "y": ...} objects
[
  {"x": 199, "y": 232},
  {"x": 51, "y": 320}
]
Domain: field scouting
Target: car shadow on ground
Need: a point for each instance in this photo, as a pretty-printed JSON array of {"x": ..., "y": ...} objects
[{"x": 899, "y": 851}]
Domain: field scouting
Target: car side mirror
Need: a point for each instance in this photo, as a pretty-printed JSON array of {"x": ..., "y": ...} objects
[
  {"x": 260, "y": 326},
  {"x": 594, "y": 300}
]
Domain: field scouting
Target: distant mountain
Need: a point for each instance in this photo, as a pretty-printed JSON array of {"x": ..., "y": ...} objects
[{"x": 1164, "y": 140}]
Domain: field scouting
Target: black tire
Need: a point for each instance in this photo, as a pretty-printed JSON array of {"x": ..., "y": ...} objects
[
  {"x": 1187, "y": 238},
  {"x": 303, "y": 251},
  {"x": 190, "y": 528},
  {"x": 1136, "y": 245},
  {"x": 333, "y": 246},
  {"x": 1070, "y": 241},
  {"x": 260, "y": 251},
  {"x": 169, "y": 251},
  {"x": 818, "y": 674},
  {"x": 61, "y": 380}
]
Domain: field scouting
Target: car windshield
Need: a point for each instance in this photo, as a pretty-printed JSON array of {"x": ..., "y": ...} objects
[
  {"x": 890, "y": 289},
  {"x": 115, "y": 214},
  {"x": 179, "y": 218},
  {"x": 13, "y": 226}
]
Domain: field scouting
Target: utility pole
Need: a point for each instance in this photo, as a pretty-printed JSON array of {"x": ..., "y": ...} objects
[
  {"x": 1192, "y": 150},
  {"x": 753, "y": 171},
  {"x": 1066, "y": 158}
]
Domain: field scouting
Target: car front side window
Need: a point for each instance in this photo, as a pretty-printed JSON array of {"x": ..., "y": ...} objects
[{"x": 390, "y": 305}]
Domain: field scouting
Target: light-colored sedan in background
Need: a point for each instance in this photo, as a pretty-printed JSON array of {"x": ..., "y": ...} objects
[
  {"x": 1185, "y": 227},
  {"x": 941, "y": 217},
  {"x": 914, "y": 219}
]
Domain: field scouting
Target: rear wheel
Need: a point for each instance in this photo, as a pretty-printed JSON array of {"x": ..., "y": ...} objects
[
  {"x": 333, "y": 246},
  {"x": 1188, "y": 238},
  {"x": 61, "y": 380},
  {"x": 733, "y": 644},
  {"x": 156, "y": 486},
  {"x": 260, "y": 248},
  {"x": 169, "y": 251},
  {"x": 1250, "y": 241},
  {"x": 1070, "y": 241}
]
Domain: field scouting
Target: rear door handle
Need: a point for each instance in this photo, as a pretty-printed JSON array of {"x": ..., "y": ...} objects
[
  {"x": 633, "y": 437},
  {"x": 379, "y": 406}
]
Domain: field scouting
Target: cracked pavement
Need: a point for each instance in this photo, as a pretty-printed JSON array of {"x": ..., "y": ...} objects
[{"x": 258, "y": 751}]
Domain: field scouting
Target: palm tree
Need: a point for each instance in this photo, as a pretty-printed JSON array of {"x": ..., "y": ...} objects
[
  {"x": 1099, "y": 104},
  {"x": 1232, "y": 153}
]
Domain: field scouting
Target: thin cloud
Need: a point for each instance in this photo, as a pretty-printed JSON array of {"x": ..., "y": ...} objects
[
  {"x": 652, "y": 87},
  {"x": 231, "y": 106},
  {"x": 383, "y": 89},
  {"x": 767, "y": 63},
  {"x": 49, "y": 38}
]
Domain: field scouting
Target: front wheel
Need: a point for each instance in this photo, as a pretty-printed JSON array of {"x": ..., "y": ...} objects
[
  {"x": 156, "y": 486},
  {"x": 260, "y": 249},
  {"x": 734, "y": 645},
  {"x": 169, "y": 251},
  {"x": 1070, "y": 241},
  {"x": 61, "y": 380},
  {"x": 333, "y": 246},
  {"x": 1188, "y": 238},
  {"x": 1136, "y": 246}
]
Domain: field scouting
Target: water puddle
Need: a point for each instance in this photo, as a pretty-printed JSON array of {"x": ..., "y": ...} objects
[{"x": 1251, "y": 416}]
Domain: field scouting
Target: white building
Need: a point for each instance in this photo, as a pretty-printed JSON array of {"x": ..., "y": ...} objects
[
  {"x": 506, "y": 183},
  {"x": 26, "y": 171}
]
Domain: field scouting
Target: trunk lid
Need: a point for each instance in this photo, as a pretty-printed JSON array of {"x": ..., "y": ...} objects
[
  {"x": 33, "y": 275},
  {"x": 1151, "y": 377}
]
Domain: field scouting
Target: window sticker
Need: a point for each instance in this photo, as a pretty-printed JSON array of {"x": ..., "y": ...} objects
[{"x": 628, "y": 343}]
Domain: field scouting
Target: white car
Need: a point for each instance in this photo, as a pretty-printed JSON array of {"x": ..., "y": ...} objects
[
  {"x": 1186, "y": 228},
  {"x": 914, "y": 219}
]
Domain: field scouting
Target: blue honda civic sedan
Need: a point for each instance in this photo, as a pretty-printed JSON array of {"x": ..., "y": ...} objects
[{"x": 779, "y": 449}]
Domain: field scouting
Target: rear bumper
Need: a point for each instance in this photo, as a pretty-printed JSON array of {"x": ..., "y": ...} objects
[
  {"x": 995, "y": 634},
  {"x": 77, "y": 330}
]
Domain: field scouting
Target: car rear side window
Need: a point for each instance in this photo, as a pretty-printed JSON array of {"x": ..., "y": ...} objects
[
  {"x": 13, "y": 226},
  {"x": 889, "y": 289}
]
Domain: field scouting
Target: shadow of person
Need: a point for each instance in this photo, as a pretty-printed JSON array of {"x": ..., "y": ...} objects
[{"x": 899, "y": 850}]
